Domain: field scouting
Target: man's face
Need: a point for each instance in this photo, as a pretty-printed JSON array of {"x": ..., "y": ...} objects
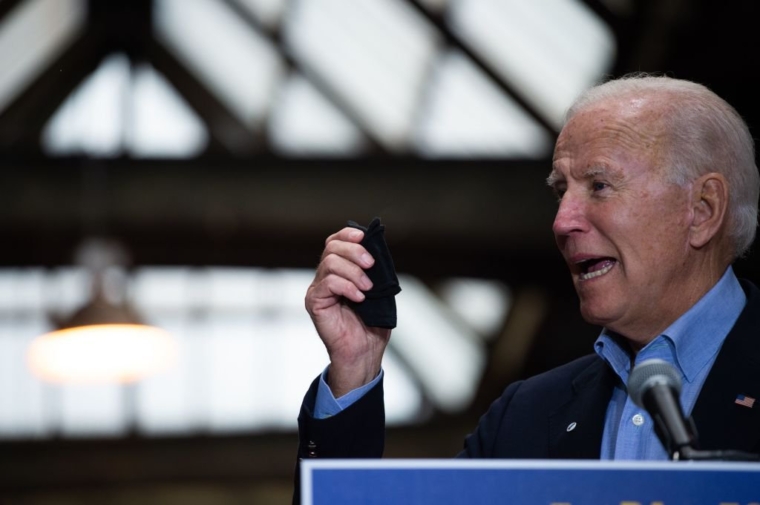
[{"x": 622, "y": 229}]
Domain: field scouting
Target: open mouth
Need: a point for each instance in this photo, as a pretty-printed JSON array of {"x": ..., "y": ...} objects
[{"x": 595, "y": 267}]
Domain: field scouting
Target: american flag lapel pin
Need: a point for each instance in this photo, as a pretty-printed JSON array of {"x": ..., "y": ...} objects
[{"x": 745, "y": 401}]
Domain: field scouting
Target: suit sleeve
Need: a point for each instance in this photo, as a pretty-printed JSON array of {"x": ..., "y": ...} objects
[{"x": 356, "y": 432}]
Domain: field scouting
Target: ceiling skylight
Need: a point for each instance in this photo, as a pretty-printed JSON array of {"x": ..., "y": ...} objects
[
  {"x": 304, "y": 122},
  {"x": 268, "y": 12},
  {"x": 549, "y": 50},
  {"x": 375, "y": 53},
  {"x": 467, "y": 115},
  {"x": 238, "y": 64},
  {"x": 32, "y": 35},
  {"x": 114, "y": 112},
  {"x": 331, "y": 77}
]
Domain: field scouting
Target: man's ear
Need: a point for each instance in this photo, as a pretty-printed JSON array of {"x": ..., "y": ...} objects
[{"x": 709, "y": 206}]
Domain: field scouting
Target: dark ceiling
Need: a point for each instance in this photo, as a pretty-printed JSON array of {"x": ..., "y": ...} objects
[{"x": 240, "y": 204}]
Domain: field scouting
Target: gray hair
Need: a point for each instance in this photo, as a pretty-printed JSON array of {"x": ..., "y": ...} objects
[{"x": 707, "y": 134}]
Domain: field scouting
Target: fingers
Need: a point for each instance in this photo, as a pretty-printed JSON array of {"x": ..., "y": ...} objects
[
  {"x": 347, "y": 234},
  {"x": 339, "y": 266},
  {"x": 345, "y": 244},
  {"x": 327, "y": 292},
  {"x": 341, "y": 271}
]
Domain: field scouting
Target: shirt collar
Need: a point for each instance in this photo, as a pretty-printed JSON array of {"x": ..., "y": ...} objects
[{"x": 691, "y": 341}]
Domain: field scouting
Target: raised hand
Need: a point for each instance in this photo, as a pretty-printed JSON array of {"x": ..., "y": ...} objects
[{"x": 355, "y": 350}]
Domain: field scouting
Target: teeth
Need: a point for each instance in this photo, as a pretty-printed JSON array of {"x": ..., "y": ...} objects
[{"x": 597, "y": 273}]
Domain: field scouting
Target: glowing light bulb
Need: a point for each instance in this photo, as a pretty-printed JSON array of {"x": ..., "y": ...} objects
[{"x": 102, "y": 353}]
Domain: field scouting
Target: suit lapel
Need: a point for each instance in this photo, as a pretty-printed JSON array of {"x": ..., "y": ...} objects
[
  {"x": 722, "y": 423},
  {"x": 587, "y": 408}
]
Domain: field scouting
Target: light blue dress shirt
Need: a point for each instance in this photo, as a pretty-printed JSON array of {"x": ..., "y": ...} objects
[
  {"x": 690, "y": 344},
  {"x": 327, "y": 405}
]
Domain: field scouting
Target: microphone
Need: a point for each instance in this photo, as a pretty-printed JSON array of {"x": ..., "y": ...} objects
[{"x": 655, "y": 385}]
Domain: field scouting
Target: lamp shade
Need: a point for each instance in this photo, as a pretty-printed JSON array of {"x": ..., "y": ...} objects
[{"x": 102, "y": 342}]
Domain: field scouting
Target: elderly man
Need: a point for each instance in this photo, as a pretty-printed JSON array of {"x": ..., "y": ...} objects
[{"x": 658, "y": 191}]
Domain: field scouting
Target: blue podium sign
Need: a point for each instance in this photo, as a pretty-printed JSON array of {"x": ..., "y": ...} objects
[{"x": 528, "y": 482}]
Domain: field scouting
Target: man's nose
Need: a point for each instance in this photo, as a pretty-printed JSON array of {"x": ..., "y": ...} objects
[{"x": 571, "y": 216}]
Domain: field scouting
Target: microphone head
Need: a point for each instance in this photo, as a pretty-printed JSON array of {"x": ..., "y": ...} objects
[{"x": 650, "y": 373}]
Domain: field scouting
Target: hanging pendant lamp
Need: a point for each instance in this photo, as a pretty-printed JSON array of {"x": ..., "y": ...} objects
[{"x": 103, "y": 341}]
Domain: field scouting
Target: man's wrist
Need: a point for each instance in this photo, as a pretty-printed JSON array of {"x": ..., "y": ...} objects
[
  {"x": 342, "y": 381},
  {"x": 328, "y": 405}
]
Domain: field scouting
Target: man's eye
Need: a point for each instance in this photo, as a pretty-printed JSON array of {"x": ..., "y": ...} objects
[
  {"x": 598, "y": 186},
  {"x": 559, "y": 193}
]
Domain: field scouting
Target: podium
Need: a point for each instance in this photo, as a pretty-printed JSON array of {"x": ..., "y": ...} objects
[{"x": 528, "y": 482}]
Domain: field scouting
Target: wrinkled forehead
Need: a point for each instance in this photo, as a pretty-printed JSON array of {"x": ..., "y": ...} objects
[{"x": 635, "y": 125}]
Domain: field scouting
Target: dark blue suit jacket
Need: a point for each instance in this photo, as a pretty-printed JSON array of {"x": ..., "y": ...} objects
[{"x": 530, "y": 418}]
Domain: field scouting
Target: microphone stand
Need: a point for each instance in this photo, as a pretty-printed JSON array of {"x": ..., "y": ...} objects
[{"x": 691, "y": 454}]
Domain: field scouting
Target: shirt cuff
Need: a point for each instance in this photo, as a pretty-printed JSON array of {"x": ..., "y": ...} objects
[{"x": 326, "y": 405}]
